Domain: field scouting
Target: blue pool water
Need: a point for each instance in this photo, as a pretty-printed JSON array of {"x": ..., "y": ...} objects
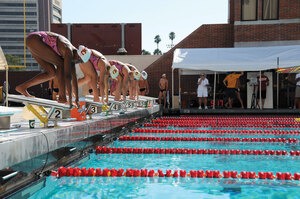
[{"x": 138, "y": 187}]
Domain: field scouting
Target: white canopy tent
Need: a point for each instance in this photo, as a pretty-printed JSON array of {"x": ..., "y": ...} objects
[
  {"x": 235, "y": 59},
  {"x": 4, "y": 66}
]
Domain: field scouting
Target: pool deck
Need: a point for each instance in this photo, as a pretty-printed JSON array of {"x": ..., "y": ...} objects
[{"x": 20, "y": 143}]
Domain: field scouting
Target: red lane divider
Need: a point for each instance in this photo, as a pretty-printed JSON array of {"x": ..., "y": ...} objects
[
  {"x": 179, "y": 124},
  {"x": 103, "y": 150},
  {"x": 276, "y": 132},
  {"x": 241, "y": 117},
  {"x": 141, "y": 138},
  {"x": 97, "y": 172}
]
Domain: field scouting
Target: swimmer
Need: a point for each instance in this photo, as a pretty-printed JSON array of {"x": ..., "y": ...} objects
[
  {"x": 57, "y": 56},
  {"x": 120, "y": 72},
  {"x": 133, "y": 85},
  {"x": 94, "y": 61},
  {"x": 143, "y": 84}
]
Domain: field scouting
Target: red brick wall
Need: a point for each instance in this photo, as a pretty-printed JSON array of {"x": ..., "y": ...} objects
[
  {"x": 60, "y": 29},
  {"x": 206, "y": 36},
  {"x": 105, "y": 38},
  {"x": 133, "y": 39},
  {"x": 289, "y": 9},
  {"x": 270, "y": 32}
]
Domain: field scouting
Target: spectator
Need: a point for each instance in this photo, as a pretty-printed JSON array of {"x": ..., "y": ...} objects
[
  {"x": 264, "y": 82},
  {"x": 230, "y": 82},
  {"x": 202, "y": 90},
  {"x": 163, "y": 86},
  {"x": 297, "y": 91}
]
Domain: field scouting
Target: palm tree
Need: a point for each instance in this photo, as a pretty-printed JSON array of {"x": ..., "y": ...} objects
[
  {"x": 145, "y": 52},
  {"x": 172, "y": 37},
  {"x": 157, "y": 52},
  {"x": 157, "y": 39}
]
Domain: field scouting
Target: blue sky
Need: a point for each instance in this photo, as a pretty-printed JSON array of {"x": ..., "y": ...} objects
[{"x": 158, "y": 17}]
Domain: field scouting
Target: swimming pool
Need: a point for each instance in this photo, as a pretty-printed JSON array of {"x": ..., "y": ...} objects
[{"x": 184, "y": 187}]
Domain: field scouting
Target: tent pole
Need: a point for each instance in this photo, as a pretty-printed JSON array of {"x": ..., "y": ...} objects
[
  {"x": 172, "y": 87},
  {"x": 215, "y": 80},
  {"x": 260, "y": 101},
  {"x": 277, "y": 83},
  {"x": 6, "y": 85}
]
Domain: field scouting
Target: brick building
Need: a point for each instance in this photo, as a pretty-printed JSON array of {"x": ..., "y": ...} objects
[
  {"x": 250, "y": 23},
  {"x": 106, "y": 38}
]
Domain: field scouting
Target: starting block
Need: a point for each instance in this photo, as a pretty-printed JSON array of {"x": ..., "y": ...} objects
[
  {"x": 150, "y": 100},
  {"x": 58, "y": 111},
  {"x": 92, "y": 107}
]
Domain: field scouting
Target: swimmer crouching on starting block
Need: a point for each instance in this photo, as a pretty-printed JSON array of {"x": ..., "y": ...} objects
[
  {"x": 94, "y": 61},
  {"x": 120, "y": 72},
  {"x": 133, "y": 85},
  {"x": 57, "y": 56}
]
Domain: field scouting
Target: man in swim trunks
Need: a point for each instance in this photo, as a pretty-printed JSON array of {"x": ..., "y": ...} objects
[
  {"x": 143, "y": 84},
  {"x": 57, "y": 56},
  {"x": 163, "y": 86}
]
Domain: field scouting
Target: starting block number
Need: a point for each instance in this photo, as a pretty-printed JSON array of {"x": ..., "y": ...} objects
[
  {"x": 115, "y": 107},
  {"x": 130, "y": 105},
  {"x": 93, "y": 109},
  {"x": 57, "y": 114}
]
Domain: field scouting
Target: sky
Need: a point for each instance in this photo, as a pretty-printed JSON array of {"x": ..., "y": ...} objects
[{"x": 158, "y": 17}]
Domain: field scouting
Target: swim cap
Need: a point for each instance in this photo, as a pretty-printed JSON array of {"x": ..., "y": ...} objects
[
  {"x": 84, "y": 53},
  {"x": 144, "y": 74},
  {"x": 114, "y": 72},
  {"x": 136, "y": 74}
]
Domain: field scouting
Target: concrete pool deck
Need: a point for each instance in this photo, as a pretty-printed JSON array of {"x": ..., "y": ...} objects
[{"x": 21, "y": 143}]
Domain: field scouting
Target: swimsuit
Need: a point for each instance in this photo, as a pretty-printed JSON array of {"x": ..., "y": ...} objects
[
  {"x": 49, "y": 40},
  {"x": 142, "y": 89},
  {"x": 94, "y": 59},
  {"x": 163, "y": 90}
]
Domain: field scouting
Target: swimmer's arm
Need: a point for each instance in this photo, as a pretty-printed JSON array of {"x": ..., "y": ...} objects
[
  {"x": 68, "y": 65},
  {"x": 167, "y": 85},
  {"x": 74, "y": 84},
  {"x": 147, "y": 87},
  {"x": 101, "y": 82}
]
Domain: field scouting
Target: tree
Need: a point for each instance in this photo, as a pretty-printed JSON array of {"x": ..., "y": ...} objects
[
  {"x": 157, "y": 39},
  {"x": 13, "y": 60},
  {"x": 145, "y": 52},
  {"x": 172, "y": 37},
  {"x": 157, "y": 52}
]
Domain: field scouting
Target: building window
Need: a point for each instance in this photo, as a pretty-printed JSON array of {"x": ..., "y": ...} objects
[
  {"x": 18, "y": 4},
  {"x": 57, "y": 18},
  {"x": 18, "y": 13},
  {"x": 249, "y": 10},
  {"x": 16, "y": 22},
  {"x": 270, "y": 9},
  {"x": 57, "y": 10}
]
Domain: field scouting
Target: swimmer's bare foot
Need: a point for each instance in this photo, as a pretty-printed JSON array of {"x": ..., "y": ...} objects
[
  {"x": 97, "y": 99},
  {"x": 23, "y": 91},
  {"x": 62, "y": 100}
]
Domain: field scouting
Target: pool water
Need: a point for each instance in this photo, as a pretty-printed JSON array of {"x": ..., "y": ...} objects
[{"x": 141, "y": 187}]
